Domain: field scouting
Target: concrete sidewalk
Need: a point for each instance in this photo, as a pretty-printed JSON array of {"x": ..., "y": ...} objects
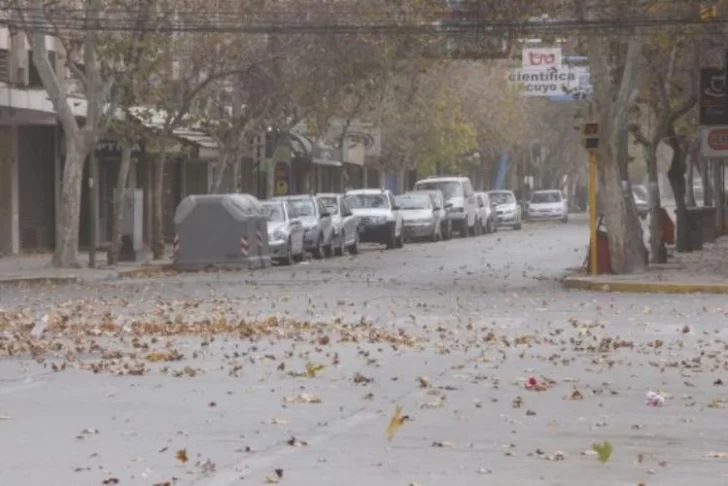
[
  {"x": 703, "y": 271},
  {"x": 37, "y": 268}
]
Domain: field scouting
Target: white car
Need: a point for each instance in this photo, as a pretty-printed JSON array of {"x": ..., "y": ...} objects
[
  {"x": 506, "y": 207},
  {"x": 460, "y": 196},
  {"x": 488, "y": 223},
  {"x": 546, "y": 205},
  {"x": 380, "y": 220}
]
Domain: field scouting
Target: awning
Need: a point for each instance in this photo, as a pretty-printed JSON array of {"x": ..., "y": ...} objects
[
  {"x": 318, "y": 154},
  {"x": 327, "y": 156}
]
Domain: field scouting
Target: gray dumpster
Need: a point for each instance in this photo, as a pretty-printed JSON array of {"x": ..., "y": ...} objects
[{"x": 220, "y": 231}]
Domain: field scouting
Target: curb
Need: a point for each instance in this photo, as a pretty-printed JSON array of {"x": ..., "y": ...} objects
[
  {"x": 147, "y": 271},
  {"x": 38, "y": 280},
  {"x": 582, "y": 283}
]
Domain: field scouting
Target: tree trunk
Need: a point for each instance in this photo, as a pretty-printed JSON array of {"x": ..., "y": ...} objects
[
  {"x": 237, "y": 183},
  {"x": 676, "y": 176},
  {"x": 119, "y": 197},
  {"x": 220, "y": 172},
  {"x": 658, "y": 253},
  {"x": 158, "y": 203},
  {"x": 626, "y": 244},
  {"x": 69, "y": 214},
  {"x": 707, "y": 186}
]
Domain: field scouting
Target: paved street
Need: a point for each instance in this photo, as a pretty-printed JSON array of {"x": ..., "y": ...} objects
[{"x": 291, "y": 375}]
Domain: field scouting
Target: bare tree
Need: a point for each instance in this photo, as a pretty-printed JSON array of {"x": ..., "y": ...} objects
[
  {"x": 614, "y": 65},
  {"x": 99, "y": 61},
  {"x": 671, "y": 93}
]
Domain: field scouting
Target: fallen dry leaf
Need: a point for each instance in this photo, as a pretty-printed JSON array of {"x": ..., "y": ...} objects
[
  {"x": 423, "y": 381},
  {"x": 576, "y": 395},
  {"x": 181, "y": 456},
  {"x": 293, "y": 442},
  {"x": 302, "y": 398},
  {"x": 442, "y": 444},
  {"x": 110, "y": 481},
  {"x": 716, "y": 455},
  {"x": 396, "y": 422},
  {"x": 312, "y": 369}
]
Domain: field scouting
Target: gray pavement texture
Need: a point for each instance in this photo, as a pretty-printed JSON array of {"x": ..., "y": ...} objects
[{"x": 222, "y": 379}]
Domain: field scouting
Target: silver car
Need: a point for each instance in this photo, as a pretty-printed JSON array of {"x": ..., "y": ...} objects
[
  {"x": 438, "y": 201},
  {"x": 419, "y": 217},
  {"x": 316, "y": 221},
  {"x": 507, "y": 209},
  {"x": 285, "y": 234},
  {"x": 346, "y": 225}
]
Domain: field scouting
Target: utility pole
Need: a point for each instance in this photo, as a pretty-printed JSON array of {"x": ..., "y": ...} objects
[{"x": 591, "y": 143}]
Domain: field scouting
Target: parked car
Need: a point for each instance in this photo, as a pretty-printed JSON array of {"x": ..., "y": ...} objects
[
  {"x": 285, "y": 234},
  {"x": 346, "y": 225},
  {"x": 548, "y": 204},
  {"x": 316, "y": 221},
  {"x": 507, "y": 209},
  {"x": 643, "y": 207},
  {"x": 443, "y": 208},
  {"x": 380, "y": 220},
  {"x": 419, "y": 216},
  {"x": 488, "y": 219},
  {"x": 458, "y": 192}
]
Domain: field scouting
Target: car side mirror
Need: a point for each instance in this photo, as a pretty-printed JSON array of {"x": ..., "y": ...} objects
[
  {"x": 448, "y": 205},
  {"x": 325, "y": 215},
  {"x": 481, "y": 205},
  {"x": 395, "y": 208},
  {"x": 296, "y": 222}
]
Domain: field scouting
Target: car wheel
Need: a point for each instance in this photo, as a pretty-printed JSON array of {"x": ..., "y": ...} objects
[
  {"x": 565, "y": 219},
  {"x": 342, "y": 245},
  {"x": 517, "y": 226},
  {"x": 354, "y": 248},
  {"x": 288, "y": 259},
  {"x": 318, "y": 252},
  {"x": 329, "y": 249},
  {"x": 399, "y": 241},
  {"x": 392, "y": 238}
]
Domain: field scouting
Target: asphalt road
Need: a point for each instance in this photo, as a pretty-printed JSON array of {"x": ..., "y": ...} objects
[{"x": 230, "y": 368}]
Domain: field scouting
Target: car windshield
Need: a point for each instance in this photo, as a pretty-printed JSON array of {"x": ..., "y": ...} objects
[
  {"x": 366, "y": 201},
  {"x": 502, "y": 197},
  {"x": 407, "y": 203},
  {"x": 274, "y": 212},
  {"x": 449, "y": 188},
  {"x": 545, "y": 197},
  {"x": 330, "y": 204},
  {"x": 301, "y": 208}
]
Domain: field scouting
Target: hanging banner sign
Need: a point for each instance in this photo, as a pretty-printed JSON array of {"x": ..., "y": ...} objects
[
  {"x": 564, "y": 80},
  {"x": 541, "y": 57}
]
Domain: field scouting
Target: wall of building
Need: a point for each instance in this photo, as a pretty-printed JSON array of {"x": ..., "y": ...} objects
[
  {"x": 8, "y": 192},
  {"x": 36, "y": 154}
]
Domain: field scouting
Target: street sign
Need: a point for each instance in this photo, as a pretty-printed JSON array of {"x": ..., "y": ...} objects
[
  {"x": 714, "y": 141},
  {"x": 713, "y": 103}
]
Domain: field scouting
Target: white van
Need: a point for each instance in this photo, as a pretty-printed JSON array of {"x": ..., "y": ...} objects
[{"x": 460, "y": 202}]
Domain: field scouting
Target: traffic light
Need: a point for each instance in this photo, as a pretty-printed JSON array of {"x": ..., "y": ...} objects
[{"x": 591, "y": 136}]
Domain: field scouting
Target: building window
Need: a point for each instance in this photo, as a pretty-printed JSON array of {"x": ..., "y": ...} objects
[
  {"x": 34, "y": 80},
  {"x": 4, "y": 66}
]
